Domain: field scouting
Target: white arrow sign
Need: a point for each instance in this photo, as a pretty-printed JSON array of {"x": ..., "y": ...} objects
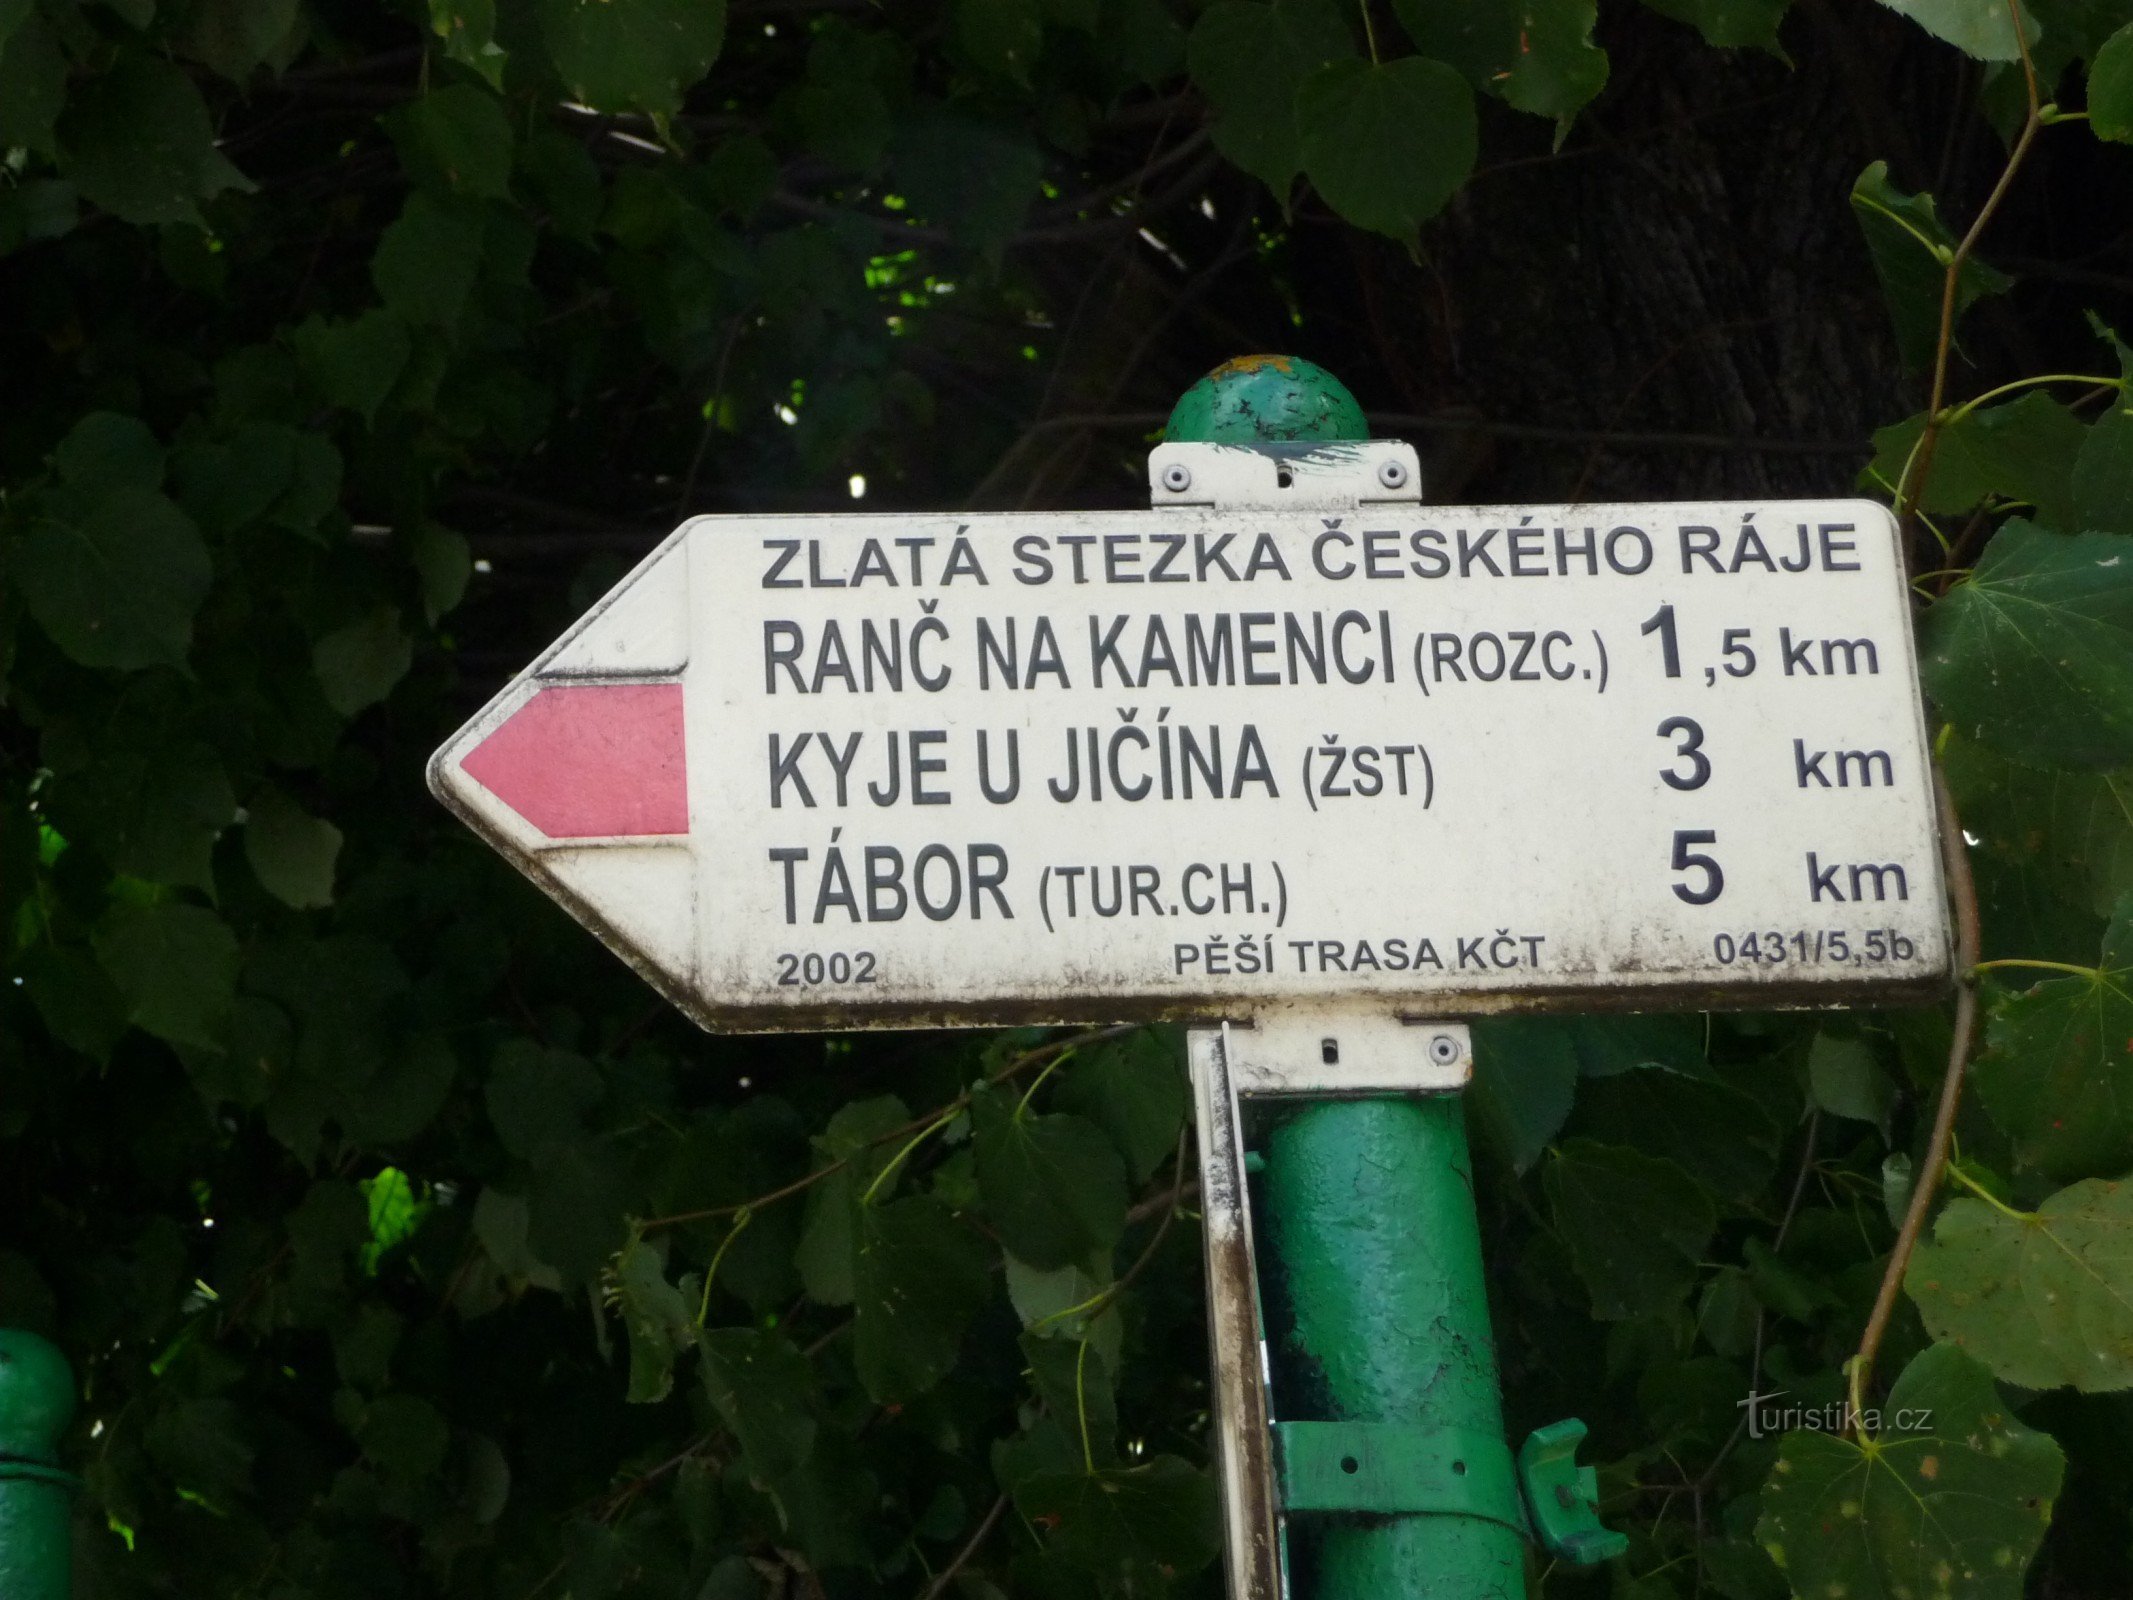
[{"x": 1288, "y": 738}]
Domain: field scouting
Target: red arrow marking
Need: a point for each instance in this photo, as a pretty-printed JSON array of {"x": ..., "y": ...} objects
[{"x": 591, "y": 761}]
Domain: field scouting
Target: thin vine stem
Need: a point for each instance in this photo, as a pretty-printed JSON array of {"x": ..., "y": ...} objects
[
  {"x": 889, "y": 1167},
  {"x": 1910, "y": 487},
  {"x": 800, "y": 1185},
  {"x": 1962, "y": 889},
  {"x": 1958, "y": 413},
  {"x": 741, "y": 1219},
  {"x": 2010, "y": 963},
  {"x": 1986, "y": 1195}
]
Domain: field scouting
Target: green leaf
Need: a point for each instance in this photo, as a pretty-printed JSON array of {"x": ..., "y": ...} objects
[
  {"x": 1718, "y": 1135},
  {"x": 1981, "y": 28},
  {"x": 1635, "y": 1227},
  {"x": 174, "y": 965},
  {"x": 78, "y": 1002},
  {"x": 538, "y": 1098},
  {"x": 1950, "y": 1499},
  {"x": 358, "y": 665},
  {"x": 1074, "y": 1380},
  {"x": 2111, "y": 89},
  {"x": 2053, "y": 851},
  {"x": 137, "y": 141},
  {"x": 444, "y": 562},
  {"x": 502, "y": 1225},
  {"x": 1846, "y": 1080},
  {"x": 1525, "y": 1077},
  {"x": 2103, "y": 471},
  {"x": 1001, "y": 38},
  {"x": 1121, "y": 1521},
  {"x": 468, "y": 29},
  {"x": 456, "y": 138},
  {"x": 2024, "y": 450},
  {"x": 1785, "y": 1289},
  {"x": 236, "y": 37},
  {"x": 33, "y": 86},
  {"x": 152, "y": 800},
  {"x": 114, "y": 577},
  {"x": 918, "y": 1279},
  {"x": 404, "y": 1435},
  {"x": 396, "y": 1212},
  {"x": 110, "y": 450},
  {"x": 763, "y": 1389},
  {"x": 1536, "y": 56},
  {"x": 844, "y": 104},
  {"x": 2044, "y": 1299},
  {"x": 575, "y": 1221},
  {"x": 633, "y": 55},
  {"x": 2033, "y": 656},
  {"x": 1134, "y": 1089},
  {"x": 973, "y": 178},
  {"x": 428, "y": 259},
  {"x": 1054, "y": 1186},
  {"x": 2057, "y": 1072},
  {"x": 1250, "y": 59},
  {"x": 1729, "y": 24},
  {"x": 1387, "y": 145},
  {"x": 1051, "y": 1305},
  {"x": 356, "y": 361},
  {"x": 200, "y": 1443},
  {"x": 657, "y": 1319},
  {"x": 404, "y": 1096},
  {"x": 1911, "y": 247},
  {"x": 363, "y": 1351},
  {"x": 829, "y": 1243},
  {"x": 291, "y": 852}
]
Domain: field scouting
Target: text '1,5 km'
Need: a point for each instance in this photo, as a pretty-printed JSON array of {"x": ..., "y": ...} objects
[{"x": 1177, "y": 762}]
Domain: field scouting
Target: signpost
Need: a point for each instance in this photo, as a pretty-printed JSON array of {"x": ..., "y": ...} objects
[{"x": 1297, "y": 758}]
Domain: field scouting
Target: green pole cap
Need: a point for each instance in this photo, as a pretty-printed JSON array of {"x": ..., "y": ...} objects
[
  {"x": 36, "y": 1396},
  {"x": 1266, "y": 400}
]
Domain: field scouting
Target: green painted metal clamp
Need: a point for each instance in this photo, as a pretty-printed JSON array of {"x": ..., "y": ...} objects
[
  {"x": 36, "y": 1497},
  {"x": 1563, "y": 1497},
  {"x": 1396, "y": 1467}
]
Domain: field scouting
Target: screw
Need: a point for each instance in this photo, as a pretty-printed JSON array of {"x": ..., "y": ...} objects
[
  {"x": 1443, "y": 1049},
  {"x": 1177, "y": 477},
  {"x": 1392, "y": 474}
]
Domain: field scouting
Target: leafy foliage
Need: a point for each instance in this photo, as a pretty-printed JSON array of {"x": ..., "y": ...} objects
[
  {"x": 1949, "y": 1497},
  {"x": 2044, "y": 1298},
  {"x": 408, "y": 1246}
]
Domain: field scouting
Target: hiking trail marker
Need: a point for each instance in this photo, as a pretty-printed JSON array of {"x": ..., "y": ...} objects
[
  {"x": 1290, "y": 738},
  {"x": 1299, "y": 759}
]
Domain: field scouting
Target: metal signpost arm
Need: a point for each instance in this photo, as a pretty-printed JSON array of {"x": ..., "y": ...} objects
[{"x": 1377, "y": 1323}]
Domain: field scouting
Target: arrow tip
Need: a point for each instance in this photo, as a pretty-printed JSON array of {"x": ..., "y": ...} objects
[{"x": 590, "y": 761}]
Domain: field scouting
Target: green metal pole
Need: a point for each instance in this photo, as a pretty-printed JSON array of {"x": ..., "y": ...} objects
[
  {"x": 1379, "y": 1314},
  {"x": 1377, "y": 1306},
  {"x": 36, "y": 1497}
]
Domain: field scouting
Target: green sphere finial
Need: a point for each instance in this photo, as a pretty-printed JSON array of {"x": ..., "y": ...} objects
[
  {"x": 36, "y": 1396},
  {"x": 1266, "y": 400}
]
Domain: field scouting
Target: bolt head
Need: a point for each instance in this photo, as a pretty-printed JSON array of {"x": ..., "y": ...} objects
[
  {"x": 1392, "y": 474},
  {"x": 1177, "y": 477},
  {"x": 1443, "y": 1049}
]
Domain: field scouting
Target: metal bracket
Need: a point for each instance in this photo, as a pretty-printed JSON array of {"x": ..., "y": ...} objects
[
  {"x": 1563, "y": 1497},
  {"x": 1325, "y": 475},
  {"x": 1330, "y": 1054},
  {"x": 1393, "y": 1467}
]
